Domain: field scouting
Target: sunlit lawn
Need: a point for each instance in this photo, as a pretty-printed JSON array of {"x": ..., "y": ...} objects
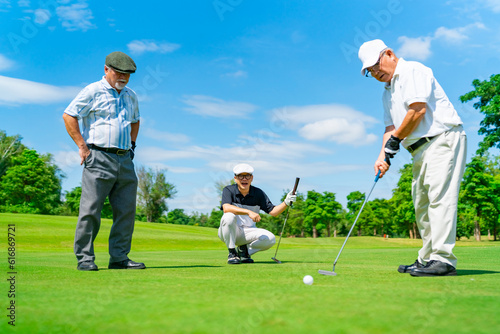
[{"x": 189, "y": 288}]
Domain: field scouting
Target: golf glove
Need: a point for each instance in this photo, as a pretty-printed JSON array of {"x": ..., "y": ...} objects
[
  {"x": 132, "y": 151},
  {"x": 392, "y": 146},
  {"x": 290, "y": 198}
]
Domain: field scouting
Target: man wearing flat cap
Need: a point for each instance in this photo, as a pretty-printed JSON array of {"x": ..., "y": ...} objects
[
  {"x": 108, "y": 112},
  {"x": 419, "y": 116},
  {"x": 241, "y": 203}
]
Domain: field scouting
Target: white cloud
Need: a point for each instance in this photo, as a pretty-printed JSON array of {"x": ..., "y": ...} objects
[
  {"x": 276, "y": 163},
  {"x": 42, "y": 16},
  {"x": 141, "y": 46},
  {"x": 157, "y": 154},
  {"x": 5, "y": 63},
  {"x": 18, "y": 91},
  {"x": 330, "y": 122},
  {"x": 76, "y": 17},
  {"x": 456, "y": 35},
  {"x": 417, "y": 48},
  {"x": 164, "y": 136},
  {"x": 214, "y": 107},
  {"x": 494, "y": 5},
  {"x": 67, "y": 160},
  {"x": 23, "y": 3}
]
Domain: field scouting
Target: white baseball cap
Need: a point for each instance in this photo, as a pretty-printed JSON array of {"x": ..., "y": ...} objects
[
  {"x": 369, "y": 53},
  {"x": 242, "y": 168}
]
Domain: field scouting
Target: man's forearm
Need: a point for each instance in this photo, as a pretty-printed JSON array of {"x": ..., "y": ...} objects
[
  {"x": 73, "y": 130},
  {"x": 278, "y": 209},
  {"x": 412, "y": 119},
  {"x": 235, "y": 209},
  {"x": 134, "y": 131}
]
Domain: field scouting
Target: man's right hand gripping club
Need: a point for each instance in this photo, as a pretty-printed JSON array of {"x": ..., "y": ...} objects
[{"x": 390, "y": 149}]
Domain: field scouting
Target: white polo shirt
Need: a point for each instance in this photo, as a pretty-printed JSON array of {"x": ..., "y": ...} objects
[
  {"x": 105, "y": 114},
  {"x": 413, "y": 82}
]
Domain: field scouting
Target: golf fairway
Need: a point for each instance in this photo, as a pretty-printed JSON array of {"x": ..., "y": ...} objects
[{"x": 188, "y": 287}]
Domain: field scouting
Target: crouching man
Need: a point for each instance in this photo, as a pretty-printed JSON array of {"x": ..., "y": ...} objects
[{"x": 241, "y": 203}]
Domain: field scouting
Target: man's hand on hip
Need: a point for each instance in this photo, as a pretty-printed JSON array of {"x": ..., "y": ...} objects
[{"x": 84, "y": 153}]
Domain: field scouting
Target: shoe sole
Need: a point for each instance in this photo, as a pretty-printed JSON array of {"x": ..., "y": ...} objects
[
  {"x": 451, "y": 273},
  {"x": 113, "y": 267},
  {"x": 95, "y": 269}
]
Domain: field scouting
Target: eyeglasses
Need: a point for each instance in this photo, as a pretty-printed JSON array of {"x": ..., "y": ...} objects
[
  {"x": 244, "y": 177},
  {"x": 375, "y": 68}
]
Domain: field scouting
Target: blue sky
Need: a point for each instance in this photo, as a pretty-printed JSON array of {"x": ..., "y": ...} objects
[{"x": 276, "y": 84}]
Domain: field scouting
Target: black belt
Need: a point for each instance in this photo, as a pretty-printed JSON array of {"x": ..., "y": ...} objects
[
  {"x": 419, "y": 143},
  {"x": 114, "y": 150}
]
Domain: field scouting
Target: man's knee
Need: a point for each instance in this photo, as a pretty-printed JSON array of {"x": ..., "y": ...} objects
[
  {"x": 268, "y": 239},
  {"x": 227, "y": 219}
]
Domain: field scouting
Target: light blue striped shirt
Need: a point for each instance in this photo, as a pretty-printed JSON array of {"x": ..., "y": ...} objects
[{"x": 105, "y": 115}]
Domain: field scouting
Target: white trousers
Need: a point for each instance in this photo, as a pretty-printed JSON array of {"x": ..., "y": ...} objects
[
  {"x": 234, "y": 234},
  {"x": 438, "y": 168}
]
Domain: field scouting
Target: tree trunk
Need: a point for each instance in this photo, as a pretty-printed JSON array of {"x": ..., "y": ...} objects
[
  {"x": 315, "y": 232},
  {"x": 374, "y": 232},
  {"x": 335, "y": 233},
  {"x": 328, "y": 230},
  {"x": 416, "y": 235},
  {"x": 489, "y": 234},
  {"x": 477, "y": 230},
  {"x": 411, "y": 234}
]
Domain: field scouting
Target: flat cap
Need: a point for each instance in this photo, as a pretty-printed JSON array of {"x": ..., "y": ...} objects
[
  {"x": 120, "y": 62},
  {"x": 242, "y": 168}
]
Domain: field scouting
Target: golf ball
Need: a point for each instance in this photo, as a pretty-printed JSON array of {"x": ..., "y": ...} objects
[{"x": 308, "y": 279}]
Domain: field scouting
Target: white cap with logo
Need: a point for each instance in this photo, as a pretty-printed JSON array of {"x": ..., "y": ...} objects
[{"x": 369, "y": 53}]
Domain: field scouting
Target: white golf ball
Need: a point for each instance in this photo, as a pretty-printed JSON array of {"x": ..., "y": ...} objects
[{"x": 308, "y": 279}]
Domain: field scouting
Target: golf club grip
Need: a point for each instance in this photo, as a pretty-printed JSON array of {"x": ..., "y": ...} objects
[{"x": 296, "y": 185}]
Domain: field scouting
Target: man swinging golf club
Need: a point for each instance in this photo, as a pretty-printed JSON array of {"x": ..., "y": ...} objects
[
  {"x": 419, "y": 115},
  {"x": 241, "y": 203}
]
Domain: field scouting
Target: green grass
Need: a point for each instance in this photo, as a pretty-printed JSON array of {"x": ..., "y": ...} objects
[{"x": 188, "y": 287}]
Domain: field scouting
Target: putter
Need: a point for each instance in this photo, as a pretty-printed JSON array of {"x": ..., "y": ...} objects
[
  {"x": 283, "y": 228},
  {"x": 333, "y": 273}
]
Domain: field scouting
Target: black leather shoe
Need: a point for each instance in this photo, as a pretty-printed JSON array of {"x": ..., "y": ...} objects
[
  {"x": 406, "y": 269},
  {"x": 243, "y": 253},
  {"x": 435, "y": 268},
  {"x": 126, "y": 264},
  {"x": 87, "y": 266}
]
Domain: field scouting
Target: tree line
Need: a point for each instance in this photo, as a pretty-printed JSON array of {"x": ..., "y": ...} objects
[{"x": 31, "y": 183}]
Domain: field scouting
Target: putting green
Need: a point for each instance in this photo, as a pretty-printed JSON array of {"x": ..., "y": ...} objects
[{"x": 188, "y": 287}]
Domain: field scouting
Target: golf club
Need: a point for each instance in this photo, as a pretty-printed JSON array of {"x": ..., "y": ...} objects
[
  {"x": 283, "y": 228},
  {"x": 333, "y": 273}
]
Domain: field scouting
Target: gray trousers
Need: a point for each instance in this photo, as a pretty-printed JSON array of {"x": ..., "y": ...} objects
[{"x": 106, "y": 174}]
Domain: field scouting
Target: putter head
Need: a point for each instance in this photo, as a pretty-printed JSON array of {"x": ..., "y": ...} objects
[
  {"x": 328, "y": 273},
  {"x": 275, "y": 260}
]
